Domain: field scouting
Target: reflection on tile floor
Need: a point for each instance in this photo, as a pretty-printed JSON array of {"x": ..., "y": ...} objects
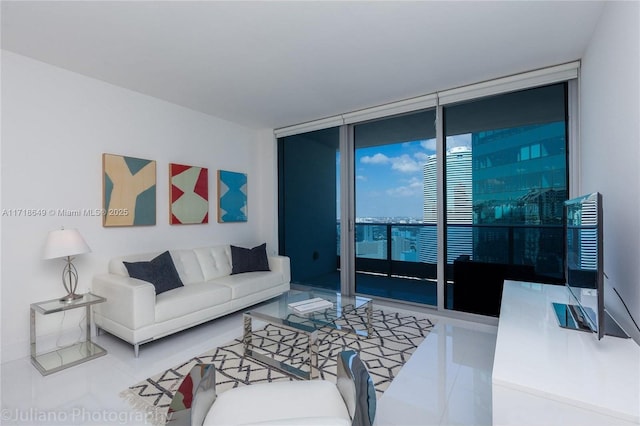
[{"x": 447, "y": 381}]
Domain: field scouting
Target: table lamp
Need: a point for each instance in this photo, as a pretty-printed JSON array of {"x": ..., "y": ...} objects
[{"x": 66, "y": 243}]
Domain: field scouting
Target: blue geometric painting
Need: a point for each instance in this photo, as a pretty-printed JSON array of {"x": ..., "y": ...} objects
[{"x": 232, "y": 197}]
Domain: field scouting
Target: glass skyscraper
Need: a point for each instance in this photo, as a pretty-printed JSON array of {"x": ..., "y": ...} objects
[{"x": 504, "y": 198}]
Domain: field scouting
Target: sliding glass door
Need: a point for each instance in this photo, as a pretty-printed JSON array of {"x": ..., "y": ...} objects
[
  {"x": 309, "y": 182},
  {"x": 391, "y": 235},
  {"x": 395, "y": 227},
  {"x": 506, "y": 181}
]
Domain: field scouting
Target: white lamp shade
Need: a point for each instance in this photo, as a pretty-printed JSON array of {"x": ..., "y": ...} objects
[{"x": 64, "y": 242}]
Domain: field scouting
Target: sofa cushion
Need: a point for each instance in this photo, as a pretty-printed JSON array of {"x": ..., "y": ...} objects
[
  {"x": 189, "y": 299},
  {"x": 188, "y": 266},
  {"x": 215, "y": 261},
  {"x": 159, "y": 271},
  {"x": 116, "y": 264},
  {"x": 251, "y": 282},
  {"x": 249, "y": 260}
]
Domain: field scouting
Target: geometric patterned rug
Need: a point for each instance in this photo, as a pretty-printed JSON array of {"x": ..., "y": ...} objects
[{"x": 394, "y": 338}]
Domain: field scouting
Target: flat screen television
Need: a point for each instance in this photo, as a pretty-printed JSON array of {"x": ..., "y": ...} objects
[{"x": 584, "y": 269}]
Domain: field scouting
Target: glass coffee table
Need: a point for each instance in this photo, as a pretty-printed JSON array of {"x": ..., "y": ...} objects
[{"x": 280, "y": 313}]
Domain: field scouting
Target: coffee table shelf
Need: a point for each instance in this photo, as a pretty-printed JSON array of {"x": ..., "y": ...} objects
[{"x": 279, "y": 313}]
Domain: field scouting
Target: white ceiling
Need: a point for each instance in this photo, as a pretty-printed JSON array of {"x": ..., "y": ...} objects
[{"x": 272, "y": 64}]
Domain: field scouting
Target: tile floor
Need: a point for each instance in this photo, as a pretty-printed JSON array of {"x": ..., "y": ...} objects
[{"x": 447, "y": 381}]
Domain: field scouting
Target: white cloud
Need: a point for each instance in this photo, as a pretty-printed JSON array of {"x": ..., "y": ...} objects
[
  {"x": 405, "y": 164},
  {"x": 376, "y": 159},
  {"x": 361, "y": 177},
  {"x": 429, "y": 145},
  {"x": 422, "y": 157},
  {"x": 413, "y": 187}
]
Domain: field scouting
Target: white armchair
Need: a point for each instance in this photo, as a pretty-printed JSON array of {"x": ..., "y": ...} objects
[{"x": 351, "y": 401}]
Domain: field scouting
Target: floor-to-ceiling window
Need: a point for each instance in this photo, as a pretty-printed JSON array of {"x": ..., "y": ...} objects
[
  {"x": 506, "y": 181},
  {"x": 395, "y": 230},
  {"x": 476, "y": 174}
]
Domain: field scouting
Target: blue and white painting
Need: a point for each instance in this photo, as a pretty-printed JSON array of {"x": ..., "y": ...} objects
[
  {"x": 232, "y": 197},
  {"x": 129, "y": 191}
]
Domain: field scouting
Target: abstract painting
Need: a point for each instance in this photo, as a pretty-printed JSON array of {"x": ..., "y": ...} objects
[
  {"x": 188, "y": 194},
  {"x": 129, "y": 191},
  {"x": 232, "y": 197}
]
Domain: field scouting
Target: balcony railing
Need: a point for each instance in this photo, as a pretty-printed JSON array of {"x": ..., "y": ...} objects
[{"x": 410, "y": 250}]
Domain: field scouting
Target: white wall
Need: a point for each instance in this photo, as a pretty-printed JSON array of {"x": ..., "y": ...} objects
[
  {"x": 610, "y": 143},
  {"x": 55, "y": 126}
]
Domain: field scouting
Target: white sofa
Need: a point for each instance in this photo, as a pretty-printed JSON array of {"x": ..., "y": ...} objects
[{"x": 135, "y": 314}]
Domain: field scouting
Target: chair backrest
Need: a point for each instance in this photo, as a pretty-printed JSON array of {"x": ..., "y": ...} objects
[
  {"x": 198, "y": 385},
  {"x": 204, "y": 396},
  {"x": 356, "y": 387},
  {"x": 353, "y": 382}
]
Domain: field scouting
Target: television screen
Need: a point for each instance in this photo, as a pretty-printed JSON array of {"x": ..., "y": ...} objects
[
  {"x": 584, "y": 272},
  {"x": 584, "y": 269}
]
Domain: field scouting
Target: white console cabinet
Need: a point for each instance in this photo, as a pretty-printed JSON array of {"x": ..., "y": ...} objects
[{"x": 547, "y": 375}]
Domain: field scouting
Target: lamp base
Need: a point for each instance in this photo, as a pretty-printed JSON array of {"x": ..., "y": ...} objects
[{"x": 71, "y": 297}]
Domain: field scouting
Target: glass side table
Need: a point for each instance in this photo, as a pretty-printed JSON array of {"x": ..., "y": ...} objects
[{"x": 68, "y": 356}]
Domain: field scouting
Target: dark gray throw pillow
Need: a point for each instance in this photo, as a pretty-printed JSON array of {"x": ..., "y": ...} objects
[
  {"x": 249, "y": 260},
  {"x": 159, "y": 271}
]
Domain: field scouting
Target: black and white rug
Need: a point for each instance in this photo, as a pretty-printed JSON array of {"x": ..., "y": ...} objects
[{"x": 394, "y": 338}]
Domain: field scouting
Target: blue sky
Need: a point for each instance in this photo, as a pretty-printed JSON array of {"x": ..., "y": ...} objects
[{"x": 389, "y": 177}]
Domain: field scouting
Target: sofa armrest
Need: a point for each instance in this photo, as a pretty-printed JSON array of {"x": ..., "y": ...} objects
[
  {"x": 281, "y": 264},
  {"x": 130, "y": 302}
]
